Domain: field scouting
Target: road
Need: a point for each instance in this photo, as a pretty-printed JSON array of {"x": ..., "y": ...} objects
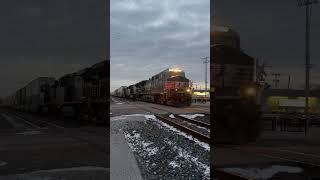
[
  {"x": 124, "y": 106},
  {"x": 33, "y": 146}
]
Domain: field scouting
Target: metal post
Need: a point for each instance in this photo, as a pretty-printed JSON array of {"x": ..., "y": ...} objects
[
  {"x": 206, "y": 61},
  {"x": 307, "y": 4},
  {"x": 307, "y": 68},
  {"x": 276, "y": 80}
]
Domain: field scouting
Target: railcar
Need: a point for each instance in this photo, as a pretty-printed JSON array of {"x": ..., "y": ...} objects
[
  {"x": 169, "y": 87},
  {"x": 85, "y": 93}
]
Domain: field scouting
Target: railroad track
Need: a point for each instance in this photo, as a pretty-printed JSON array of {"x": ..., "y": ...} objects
[
  {"x": 183, "y": 128},
  {"x": 37, "y": 124},
  {"x": 193, "y": 121}
]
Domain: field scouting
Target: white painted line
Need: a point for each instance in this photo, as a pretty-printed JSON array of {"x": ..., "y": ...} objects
[
  {"x": 27, "y": 122},
  {"x": 16, "y": 124},
  {"x": 57, "y": 126}
]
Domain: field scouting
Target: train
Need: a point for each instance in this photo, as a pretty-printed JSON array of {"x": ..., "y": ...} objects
[
  {"x": 83, "y": 94},
  {"x": 233, "y": 87},
  {"x": 169, "y": 87}
]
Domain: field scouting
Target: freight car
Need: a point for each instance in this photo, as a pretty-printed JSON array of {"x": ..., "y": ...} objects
[
  {"x": 84, "y": 93},
  {"x": 29, "y": 98},
  {"x": 169, "y": 87}
]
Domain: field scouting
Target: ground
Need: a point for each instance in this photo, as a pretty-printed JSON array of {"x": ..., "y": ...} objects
[
  {"x": 162, "y": 152},
  {"x": 41, "y": 147}
]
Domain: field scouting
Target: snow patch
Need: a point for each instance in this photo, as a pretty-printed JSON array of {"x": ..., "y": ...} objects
[
  {"x": 119, "y": 103},
  {"x": 191, "y": 116},
  {"x": 186, "y": 155},
  {"x": 264, "y": 173},
  {"x": 174, "y": 164},
  {"x": 150, "y": 117},
  {"x": 115, "y": 118},
  {"x": 171, "y": 116},
  {"x": 135, "y": 141}
]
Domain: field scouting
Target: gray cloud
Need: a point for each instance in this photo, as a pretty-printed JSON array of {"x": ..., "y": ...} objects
[
  {"x": 149, "y": 36},
  {"x": 49, "y": 37}
]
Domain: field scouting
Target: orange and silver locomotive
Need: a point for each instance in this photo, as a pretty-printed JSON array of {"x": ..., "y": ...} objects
[{"x": 169, "y": 87}]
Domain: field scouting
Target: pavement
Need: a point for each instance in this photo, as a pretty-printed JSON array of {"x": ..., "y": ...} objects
[
  {"x": 312, "y": 136},
  {"x": 123, "y": 164},
  {"x": 28, "y": 151}
]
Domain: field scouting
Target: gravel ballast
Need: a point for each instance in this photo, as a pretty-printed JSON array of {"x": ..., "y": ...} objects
[{"x": 163, "y": 152}]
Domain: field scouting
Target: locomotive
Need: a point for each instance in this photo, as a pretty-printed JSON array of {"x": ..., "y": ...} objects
[
  {"x": 84, "y": 93},
  {"x": 235, "y": 91},
  {"x": 169, "y": 87}
]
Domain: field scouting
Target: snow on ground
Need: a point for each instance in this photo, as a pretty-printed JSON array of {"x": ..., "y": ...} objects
[
  {"x": 135, "y": 140},
  {"x": 191, "y": 116},
  {"x": 162, "y": 151},
  {"x": 171, "y": 116},
  {"x": 264, "y": 173},
  {"x": 171, "y": 128},
  {"x": 119, "y": 103},
  {"x": 186, "y": 155}
]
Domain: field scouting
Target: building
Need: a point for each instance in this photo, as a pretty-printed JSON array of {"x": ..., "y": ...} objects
[
  {"x": 200, "y": 95},
  {"x": 289, "y": 100}
]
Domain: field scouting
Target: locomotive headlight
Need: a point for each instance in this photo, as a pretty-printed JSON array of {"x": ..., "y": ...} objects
[
  {"x": 188, "y": 90},
  {"x": 250, "y": 91}
]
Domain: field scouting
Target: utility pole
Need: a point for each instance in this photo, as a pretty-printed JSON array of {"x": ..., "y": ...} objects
[
  {"x": 289, "y": 79},
  {"x": 308, "y": 5},
  {"x": 276, "y": 80},
  {"x": 205, "y": 62}
]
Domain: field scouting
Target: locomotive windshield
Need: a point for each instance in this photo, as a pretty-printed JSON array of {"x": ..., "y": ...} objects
[{"x": 176, "y": 73}]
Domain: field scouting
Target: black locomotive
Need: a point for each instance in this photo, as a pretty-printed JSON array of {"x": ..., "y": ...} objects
[
  {"x": 169, "y": 87},
  {"x": 84, "y": 94}
]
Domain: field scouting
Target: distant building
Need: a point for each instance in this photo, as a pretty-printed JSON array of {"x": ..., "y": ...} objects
[
  {"x": 289, "y": 100},
  {"x": 200, "y": 95}
]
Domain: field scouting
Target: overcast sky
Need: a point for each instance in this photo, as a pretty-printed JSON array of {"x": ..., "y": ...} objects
[
  {"x": 148, "y": 36},
  {"x": 49, "y": 38},
  {"x": 274, "y": 31}
]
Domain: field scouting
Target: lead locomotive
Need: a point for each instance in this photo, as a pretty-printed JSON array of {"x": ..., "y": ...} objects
[{"x": 169, "y": 87}]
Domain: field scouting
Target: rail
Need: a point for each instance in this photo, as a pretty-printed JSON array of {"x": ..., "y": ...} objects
[
  {"x": 193, "y": 121},
  {"x": 185, "y": 129}
]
